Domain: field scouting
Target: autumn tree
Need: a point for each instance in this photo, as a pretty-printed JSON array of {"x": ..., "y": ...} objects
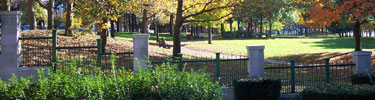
[
  {"x": 102, "y": 11},
  {"x": 358, "y": 12},
  {"x": 186, "y": 9},
  {"x": 49, "y": 6}
]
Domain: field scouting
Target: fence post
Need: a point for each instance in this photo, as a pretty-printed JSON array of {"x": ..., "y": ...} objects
[
  {"x": 180, "y": 62},
  {"x": 54, "y": 51},
  {"x": 99, "y": 55},
  {"x": 327, "y": 70},
  {"x": 293, "y": 76},
  {"x": 362, "y": 61},
  {"x": 256, "y": 60},
  {"x": 218, "y": 66},
  {"x": 140, "y": 45},
  {"x": 10, "y": 57}
]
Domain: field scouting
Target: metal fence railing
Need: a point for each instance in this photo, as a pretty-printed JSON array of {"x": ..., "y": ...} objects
[
  {"x": 295, "y": 77},
  {"x": 36, "y": 51},
  {"x": 44, "y": 50},
  {"x": 221, "y": 68}
]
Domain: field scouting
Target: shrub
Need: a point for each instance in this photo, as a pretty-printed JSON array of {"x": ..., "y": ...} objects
[
  {"x": 257, "y": 89},
  {"x": 339, "y": 92},
  {"x": 364, "y": 78},
  {"x": 88, "y": 82}
]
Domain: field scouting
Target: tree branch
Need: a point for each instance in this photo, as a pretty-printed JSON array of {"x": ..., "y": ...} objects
[
  {"x": 206, "y": 10},
  {"x": 45, "y": 6},
  {"x": 186, "y": 21}
]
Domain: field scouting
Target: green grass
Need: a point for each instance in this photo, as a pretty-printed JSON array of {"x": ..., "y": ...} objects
[{"x": 285, "y": 49}]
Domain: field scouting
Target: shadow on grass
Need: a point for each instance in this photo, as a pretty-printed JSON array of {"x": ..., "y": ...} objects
[
  {"x": 345, "y": 43},
  {"x": 309, "y": 57}
]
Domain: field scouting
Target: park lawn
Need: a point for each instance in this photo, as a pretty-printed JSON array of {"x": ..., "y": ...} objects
[
  {"x": 166, "y": 36},
  {"x": 284, "y": 49}
]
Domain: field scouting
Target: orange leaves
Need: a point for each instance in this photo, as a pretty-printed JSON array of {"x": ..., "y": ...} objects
[
  {"x": 358, "y": 9},
  {"x": 323, "y": 15}
]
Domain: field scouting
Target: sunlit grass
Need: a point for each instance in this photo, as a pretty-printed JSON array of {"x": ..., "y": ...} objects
[{"x": 285, "y": 49}]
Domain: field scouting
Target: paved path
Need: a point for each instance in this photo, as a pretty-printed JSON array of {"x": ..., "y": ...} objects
[{"x": 211, "y": 54}]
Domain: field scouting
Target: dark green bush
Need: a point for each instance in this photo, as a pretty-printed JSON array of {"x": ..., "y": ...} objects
[
  {"x": 339, "y": 92},
  {"x": 91, "y": 83},
  {"x": 257, "y": 89},
  {"x": 365, "y": 78}
]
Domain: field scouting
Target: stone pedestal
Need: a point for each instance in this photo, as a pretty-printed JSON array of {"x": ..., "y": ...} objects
[
  {"x": 362, "y": 61},
  {"x": 10, "y": 45},
  {"x": 140, "y": 44},
  {"x": 256, "y": 60}
]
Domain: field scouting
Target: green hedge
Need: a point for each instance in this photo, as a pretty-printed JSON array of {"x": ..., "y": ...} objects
[
  {"x": 257, "y": 89},
  {"x": 364, "y": 78},
  {"x": 339, "y": 92},
  {"x": 91, "y": 83}
]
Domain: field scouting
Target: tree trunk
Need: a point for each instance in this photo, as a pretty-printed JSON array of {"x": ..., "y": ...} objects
[
  {"x": 176, "y": 36},
  {"x": 31, "y": 14},
  {"x": 239, "y": 25},
  {"x": 5, "y": 6},
  {"x": 135, "y": 26},
  {"x": 112, "y": 28},
  {"x": 171, "y": 25},
  {"x": 119, "y": 28},
  {"x": 231, "y": 26},
  {"x": 261, "y": 27},
  {"x": 270, "y": 32},
  {"x": 51, "y": 3},
  {"x": 103, "y": 34},
  {"x": 144, "y": 22},
  {"x": 156, "y": 30},
  {"x": 130, "y": 23},
  {"x": 209, "y": 35},
  {"x": 222, "y": 29},
  {"x": 248, "y": 27},
  {"x": 357, "y": 32},
  {"x": 69, "y": 18}
]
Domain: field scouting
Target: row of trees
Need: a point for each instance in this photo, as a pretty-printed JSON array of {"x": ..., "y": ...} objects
[{"x": 334, "y": 15}]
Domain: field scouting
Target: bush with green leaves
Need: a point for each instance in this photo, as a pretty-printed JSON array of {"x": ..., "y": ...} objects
[
  {"x": 364, "y": 78},
  {"x": 338, "y": 92},
  {"x": 257, "y": 89},
  {"x": 88, "y": 82}
]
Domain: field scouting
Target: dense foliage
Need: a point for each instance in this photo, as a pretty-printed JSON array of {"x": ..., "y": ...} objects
[
  {"x": 164, "y": 82},
  {"x": 364, "y": 78},
  {"x": 257, "y": 89},
  {"x": 339, "y": 92}
]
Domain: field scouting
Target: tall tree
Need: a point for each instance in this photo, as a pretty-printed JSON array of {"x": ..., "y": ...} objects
[
  {"x": 101, "y": 12},
  {"x": 31, "y": 13},
  {"x": 186, "y": 9},
  {"x": 69, "y": 18},
  {"x": 50, "y": 7},
  {"x": 359, "y": 12}
]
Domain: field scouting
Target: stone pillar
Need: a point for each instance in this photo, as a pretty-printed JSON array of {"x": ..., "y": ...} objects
[
  {"x": 140, "y": 45},
  {"x": 10, "y": 45},
  {"x": 362, "y": 61},
  {"x": 255, "y": 66},
  {"x": 11, "y": 21}
]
